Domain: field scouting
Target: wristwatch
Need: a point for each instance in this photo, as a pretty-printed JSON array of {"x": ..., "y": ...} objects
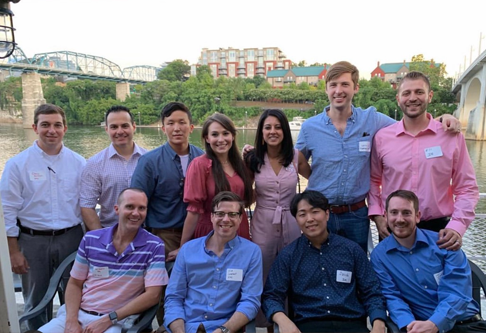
[
  {"x": 114, "y": 317},
  {"x": 224, "y": 329}
]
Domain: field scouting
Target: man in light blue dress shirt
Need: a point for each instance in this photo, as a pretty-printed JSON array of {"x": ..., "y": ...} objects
[{"x": 216, "y": 280}]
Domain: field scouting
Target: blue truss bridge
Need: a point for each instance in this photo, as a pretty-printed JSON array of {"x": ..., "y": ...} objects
[{"x": 77, "y": 65}]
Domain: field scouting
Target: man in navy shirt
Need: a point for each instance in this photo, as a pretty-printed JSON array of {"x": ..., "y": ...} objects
[{"x": 328, "y": 280}]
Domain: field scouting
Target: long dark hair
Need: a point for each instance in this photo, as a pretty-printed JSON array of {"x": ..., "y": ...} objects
[
  {"x": 220, "y": 181},
  {"x": 255, "y": 158}
]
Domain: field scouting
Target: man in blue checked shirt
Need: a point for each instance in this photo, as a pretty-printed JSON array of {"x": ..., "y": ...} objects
[
  {"x": 427, "y": 289},
  {"x": 216, "y": 281}
]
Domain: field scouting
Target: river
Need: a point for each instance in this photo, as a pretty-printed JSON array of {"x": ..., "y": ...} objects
[{"x": 89, "y": 140}]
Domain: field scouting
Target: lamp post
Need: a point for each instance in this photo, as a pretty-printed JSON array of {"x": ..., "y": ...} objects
[
  {"x": 218, "y": 101},
  {"x": 395, "y": 114},
  {"x": 7, "y": 37},
  {"x": 246, "y": 119},
  {"x": 139, "y": 122}
]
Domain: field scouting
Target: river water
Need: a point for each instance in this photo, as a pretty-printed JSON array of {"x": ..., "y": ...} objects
[{"x": 89, "y": 140}]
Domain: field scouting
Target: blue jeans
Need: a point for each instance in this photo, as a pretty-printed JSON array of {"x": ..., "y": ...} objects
[{"x": 352, "y": 225}]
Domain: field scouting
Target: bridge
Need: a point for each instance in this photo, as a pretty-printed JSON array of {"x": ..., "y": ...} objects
[
  {"x": 471, "y": 85},
  {"x": 71, "y": 65},
  {"x": 77, "y": 65}
]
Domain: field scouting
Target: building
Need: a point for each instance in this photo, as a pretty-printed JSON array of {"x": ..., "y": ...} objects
[
  {"x": 394, "y": 72},
  {"x": 245, "y": 63},
  {"x": 311, "y": 75}
]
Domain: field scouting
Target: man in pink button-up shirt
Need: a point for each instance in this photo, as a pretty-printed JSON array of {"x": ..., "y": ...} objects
[{"x": 416, "y": 154}]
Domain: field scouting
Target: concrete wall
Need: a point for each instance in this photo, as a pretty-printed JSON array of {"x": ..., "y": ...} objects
[{"x": 33, "y": 96}]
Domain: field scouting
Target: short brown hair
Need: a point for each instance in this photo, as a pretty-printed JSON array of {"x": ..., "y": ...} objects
[
  {"x": 414, "y": 75},
  {"x": 340, "y": 68},
  {"x": 404, "y": 194},
  {"x": 49, "y": 109},
  {"x": 227, "y": 196}
]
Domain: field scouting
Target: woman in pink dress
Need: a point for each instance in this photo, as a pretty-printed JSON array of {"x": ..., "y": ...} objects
[
  {"x": 275, "y": 165},
  {"x": 220, "y": 169}
]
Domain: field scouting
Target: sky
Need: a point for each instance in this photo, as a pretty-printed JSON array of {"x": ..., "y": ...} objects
[{"x": 151, "y": 32}]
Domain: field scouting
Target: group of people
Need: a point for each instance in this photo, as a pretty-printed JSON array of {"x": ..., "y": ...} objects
[{"x": 303, "y": 252}]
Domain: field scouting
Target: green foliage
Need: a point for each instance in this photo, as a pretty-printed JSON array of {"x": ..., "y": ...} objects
[
  {"x": 11, "y": 93},
  {"x": 177, "y": 70},
  {"x": 85, "y": 102}
]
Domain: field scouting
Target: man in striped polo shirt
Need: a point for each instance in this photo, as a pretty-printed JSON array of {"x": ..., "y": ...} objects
[{"x": 119, "y": 271}]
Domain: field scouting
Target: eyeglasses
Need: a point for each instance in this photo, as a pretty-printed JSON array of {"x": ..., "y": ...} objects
[{"x": 231, "y": 215}]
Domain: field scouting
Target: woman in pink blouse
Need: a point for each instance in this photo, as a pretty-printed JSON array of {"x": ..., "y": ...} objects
[
  {"x": 220, "y": 169},
  {"x": 275, "y": 165}
]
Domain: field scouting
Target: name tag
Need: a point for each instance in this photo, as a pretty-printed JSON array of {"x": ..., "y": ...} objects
[
  {"x": 37, "y": 176},
  {"x": 438, "y": 276},
  {"x": 365, "y": 146},
  {"x": 234, "y": 274},
  {"x": 433, "y": 152},
  {"x": 343, "y": 276},
  {"x": 101, "y": 272}
]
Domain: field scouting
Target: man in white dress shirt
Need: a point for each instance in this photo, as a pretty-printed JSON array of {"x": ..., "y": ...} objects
[{"x": 40, "y": 197}]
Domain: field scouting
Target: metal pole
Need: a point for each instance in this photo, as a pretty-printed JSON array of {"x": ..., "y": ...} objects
[{"x": 139, "y": 122}]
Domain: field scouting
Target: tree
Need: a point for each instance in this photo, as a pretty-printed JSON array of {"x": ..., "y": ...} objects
[{"x": 177, "y": 70}]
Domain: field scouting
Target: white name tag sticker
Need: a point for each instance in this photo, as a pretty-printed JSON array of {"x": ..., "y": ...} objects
[
  {"x": 36, "y": 176},
  {"x": 234, "y": 274},
  {"x": 343, "y": 276},
  {"x": 365, "y": 146},
  {"x": 433, "y": 152},
  {"x": 101, "y": 272},
  {"x": 438, "y": 276}
]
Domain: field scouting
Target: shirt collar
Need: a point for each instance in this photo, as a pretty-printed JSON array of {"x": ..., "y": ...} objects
[
  {"x": 328, "y": 120},
  {"x": 326, "y": 243},
  {"x": 420, "y": 239},
  {"x": 112, "y": 151},
  {"x": 229, "y": 245},
  {"x": 171, "y": 151},
  {"x": 432, "y": 126},
  {"x": 107, "y": 237},
  {"x": 40, "y": 151}
]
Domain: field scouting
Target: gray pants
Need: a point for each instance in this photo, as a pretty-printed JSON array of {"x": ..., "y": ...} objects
[{"x": 44, "y": 254}]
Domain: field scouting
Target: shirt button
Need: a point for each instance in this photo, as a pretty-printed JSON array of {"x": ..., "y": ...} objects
[
  {"x": 425, "y": 287},
  {"x": 206, "y": 317},
  {"x": 210, "y": 304},
  {"x": 322, "y": 268},
  {"x": 320, "y": 253},
  {"x": 327, "y": 297},
  {"x": 325, "y": 285},
  {"x": 416, "y": 269},
  {"x": 411, "y": 252},
  {"x": 328, "y": 311},
  {"x": 214, "y": 287},
  {"x": 217, "y": 269}
]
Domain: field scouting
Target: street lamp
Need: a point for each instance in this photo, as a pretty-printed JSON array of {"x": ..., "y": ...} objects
[
  {"x": 395, "y": 114},
  {"x": 139, "y": 122},
  {"x": 7, "y": 37},
  {"x": 218, "y": 101},
  {"x": 246, "y": 119}
]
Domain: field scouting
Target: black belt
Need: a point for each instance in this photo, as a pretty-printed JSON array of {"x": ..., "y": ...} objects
[
  {"x": 473, "y": 319},
  {"x": 33, "y": 232},
  {"x": 339, "y": 209},
  {"x": 94, "y": 313}
]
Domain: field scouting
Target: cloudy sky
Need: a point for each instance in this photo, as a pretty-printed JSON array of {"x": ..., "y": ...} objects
[{"x": 150, "y": 32}]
